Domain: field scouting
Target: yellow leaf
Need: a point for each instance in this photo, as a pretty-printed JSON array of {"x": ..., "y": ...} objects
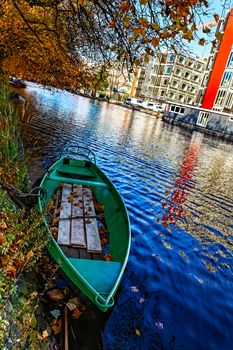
[
  {"x": 143, "y": 22},
  {"x": 138, "y": 333},
  {"x": 30, "y": 254},
  {"x": 45, "y": 334},
  {"x": 155, "y": 26},
  {"x": 3, "y": 224},
  {"x": 56, "y": 326}
]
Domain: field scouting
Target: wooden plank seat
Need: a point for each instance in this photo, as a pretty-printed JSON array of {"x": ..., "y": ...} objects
[{"x": 77, "y": 224}]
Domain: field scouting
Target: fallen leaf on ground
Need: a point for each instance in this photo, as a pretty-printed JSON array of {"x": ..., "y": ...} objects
[
  {"x": 55, "y": 294},
  {"x": 56, "y": 326},
  {"x": 76, "y": 313}
]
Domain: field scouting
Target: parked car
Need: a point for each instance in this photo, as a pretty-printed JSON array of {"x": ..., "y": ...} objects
[
  {"x": 135, "y": 102},
  {"x": 156, "y": 107},
  {"x": 18, "y": 83}
]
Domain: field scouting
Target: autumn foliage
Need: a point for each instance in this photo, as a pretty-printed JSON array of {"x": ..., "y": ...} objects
[{"x": 56, "y": 42}]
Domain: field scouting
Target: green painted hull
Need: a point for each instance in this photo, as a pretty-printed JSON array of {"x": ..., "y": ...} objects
[{"x": 97, "y": 279}]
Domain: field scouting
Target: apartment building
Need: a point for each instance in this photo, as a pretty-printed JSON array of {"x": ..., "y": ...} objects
[
  {"x": 216, "y": 91},
  {"x": 171, "y": 77},
  {"x": 122, "y": 83}
]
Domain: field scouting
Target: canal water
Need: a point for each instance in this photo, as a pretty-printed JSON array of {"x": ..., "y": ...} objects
[{"x": 177, "y": 290}]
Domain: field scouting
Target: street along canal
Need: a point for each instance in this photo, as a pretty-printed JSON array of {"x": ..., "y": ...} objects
[{"x": 177, "y": 290}]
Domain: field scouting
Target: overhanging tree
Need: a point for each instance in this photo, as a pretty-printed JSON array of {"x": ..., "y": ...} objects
[{"x": 52, "y": 39}]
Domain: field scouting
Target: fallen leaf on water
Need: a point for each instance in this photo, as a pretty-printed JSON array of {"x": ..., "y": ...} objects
[
  {"x": 138, "y": 333},
  {"x": 159, "y": 325}
]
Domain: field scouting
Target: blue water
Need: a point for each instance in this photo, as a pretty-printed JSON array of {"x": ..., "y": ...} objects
[{"x": 177, "y": 290}]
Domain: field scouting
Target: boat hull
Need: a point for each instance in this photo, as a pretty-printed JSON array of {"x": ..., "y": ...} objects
[{"x": 97, "y": 279}]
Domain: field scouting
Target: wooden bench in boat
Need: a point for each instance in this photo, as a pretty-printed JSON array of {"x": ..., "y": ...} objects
[{"x": 78, "y": 225}]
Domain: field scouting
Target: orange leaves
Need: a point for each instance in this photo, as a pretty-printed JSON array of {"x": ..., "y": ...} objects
[
  {"x": 201, "y": 42},
  {"x": 1, "y": 238},
  {"x": 188, "y": 35},
  {"x": 76, "y": 313},
  {"x": 55, "y": 294},
  {"x": 111, "y": 24},
  {"x": 155, "y": 42},
  {"x": 139, "y": 31},
  {"x": 144, "y": 22},
  {"x": 125, "y": 6}
]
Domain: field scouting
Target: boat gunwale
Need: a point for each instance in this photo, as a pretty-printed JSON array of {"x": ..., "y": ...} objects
[{"x": 106, "y": 301}]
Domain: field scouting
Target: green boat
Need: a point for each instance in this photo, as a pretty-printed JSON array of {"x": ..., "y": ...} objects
[{"x": 87, "y": 223}]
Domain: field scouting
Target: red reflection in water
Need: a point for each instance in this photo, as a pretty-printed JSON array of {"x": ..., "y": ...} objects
[{"x": 174, "y": 205}]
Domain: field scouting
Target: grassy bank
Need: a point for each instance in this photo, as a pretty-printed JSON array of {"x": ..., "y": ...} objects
[{"x": 22, "y": 241}]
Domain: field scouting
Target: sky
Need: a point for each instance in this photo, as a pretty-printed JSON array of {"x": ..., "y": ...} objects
[{"x": 203, "y": 51}]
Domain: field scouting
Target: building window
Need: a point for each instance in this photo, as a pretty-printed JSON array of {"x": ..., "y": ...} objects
[
  {"x": 184, "y": 87},
  {"x": 165, "y": 82},
  {"x": 177, "y": 109},
  {"x": 190, "y": 64},
  {"x": 199, "y": 66},
  {"x": 174, "y": 83},
  {"x": 168, "y": 70},
  {"x": 171, "y": 95},
  {"x": 203, "y": 118},
  {"x": 229, "y": 101},
  {"x": 195, "y": 78},
  {"x": 230, "y": 60},
  {"x": 178, "y": 72},
  {"x": 187, "y": 75},
  {"x": 181, "y": 59},
  {"x": 220, "y": 97},
  {"x": 181, "y": 98},
  {"x": 226, "y": 78},
  {"x": 192, "y": 89},
  {"x": 171, "y": 58}
]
